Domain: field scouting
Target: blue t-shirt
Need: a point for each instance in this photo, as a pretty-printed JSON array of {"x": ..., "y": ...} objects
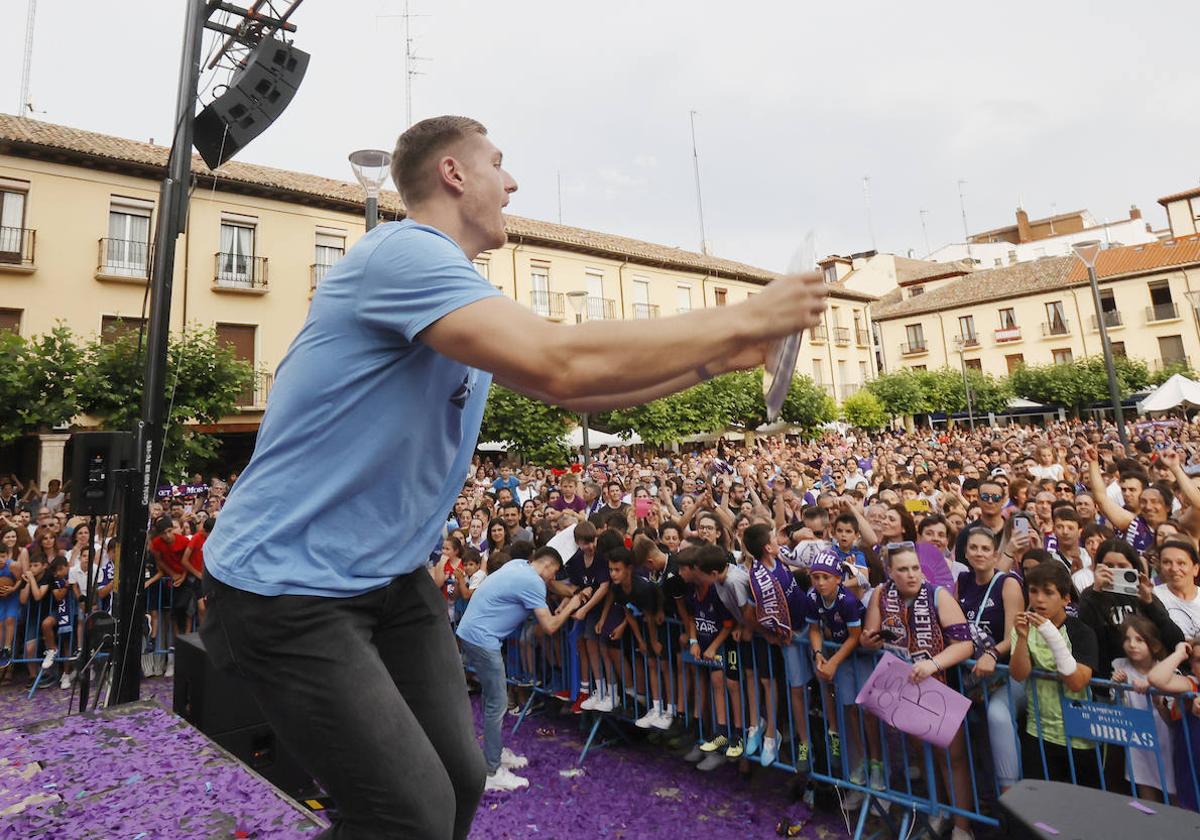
[
  {"x": 367, "y": 432},
  {"x": 501, "y": 603}
]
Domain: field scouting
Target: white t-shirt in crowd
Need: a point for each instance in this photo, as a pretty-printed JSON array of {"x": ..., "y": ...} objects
[
  {"x": 1186, "y": 614},
  {"x": 1054, "y": 472},
  {"x": 476, "y": 579}
]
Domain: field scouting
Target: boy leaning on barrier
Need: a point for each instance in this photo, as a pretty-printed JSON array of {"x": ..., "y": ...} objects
[{"x": 1047, "y": 639}]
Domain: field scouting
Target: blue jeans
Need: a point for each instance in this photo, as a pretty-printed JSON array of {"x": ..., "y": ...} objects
[{"x": 489, "y": 670}]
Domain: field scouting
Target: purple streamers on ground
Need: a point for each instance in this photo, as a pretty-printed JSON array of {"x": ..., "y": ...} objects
[{"x": 147, "y": 775}]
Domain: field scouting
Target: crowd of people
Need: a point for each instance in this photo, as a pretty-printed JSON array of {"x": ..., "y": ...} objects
[
  {"x": 741, "y": 592},
  {"x": 1047, "y": 562}
]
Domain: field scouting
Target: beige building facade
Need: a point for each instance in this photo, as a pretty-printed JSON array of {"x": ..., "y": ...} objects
[
  {"x": 1043, "y": 312},
  {"x": 77, "y": 212}
]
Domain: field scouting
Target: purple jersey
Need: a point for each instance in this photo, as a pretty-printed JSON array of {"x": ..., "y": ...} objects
[
  {"x": 988, "y": 613},
  {"x": 1138, "y": 534},
  {"x": 837, "y": 618},
  {"x": 709, "y": 613},
  {"x": 797, "y": 600}
]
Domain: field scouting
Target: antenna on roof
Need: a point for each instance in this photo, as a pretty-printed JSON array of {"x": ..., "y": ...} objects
[
  {"x": 925, "y": 231},
  {"x": 699, "y": 199},
  {"x": 409, "y": 57},
  {"x": 25, "y": 104},
  {"x": 962, "y": 205},
  {"x": 559, "y": 173},
  {"x": 867, "y": 199}
]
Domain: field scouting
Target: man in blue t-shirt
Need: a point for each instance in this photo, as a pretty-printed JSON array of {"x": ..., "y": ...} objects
[
  {"x": 497, "y": 608},
  {"x": 344, "y": 643}
]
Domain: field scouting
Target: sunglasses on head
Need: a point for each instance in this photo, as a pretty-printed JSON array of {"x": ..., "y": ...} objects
[
  {"x": 1064, "y": 488},
  {"x": 907, "y": 545}
]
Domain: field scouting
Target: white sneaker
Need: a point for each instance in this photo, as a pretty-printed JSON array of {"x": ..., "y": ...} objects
[
  {"x": 48, "y": 659},
  {"x": 962, "y": 834},
  {"x": 770, "y": 751},
  {"x": 65, "y": 682},
  {"x": 170, "y": 672},
  {"x": 604, "y": 704},
  {"x": 939, "y": 823},
  {"x": 511, "y": 760},
  {"x": 664, "y": 720},
  {"x": 505, "y": 780},
  {"x": 648, "y": 720}
]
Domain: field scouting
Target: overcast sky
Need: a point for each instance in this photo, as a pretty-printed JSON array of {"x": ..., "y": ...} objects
[{"x": 1060, "y": 105}]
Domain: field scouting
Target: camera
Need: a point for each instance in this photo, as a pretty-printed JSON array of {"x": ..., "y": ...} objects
[{"x": 1124, "y": 582}]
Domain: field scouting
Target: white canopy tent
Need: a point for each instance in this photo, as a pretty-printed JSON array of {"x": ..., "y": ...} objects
[
  {"x": 1176, "y": 392},
  {"x": 597, "y": 439}
]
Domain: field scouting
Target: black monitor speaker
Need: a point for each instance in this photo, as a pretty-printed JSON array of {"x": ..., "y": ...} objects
[
  {"x": 255, "y": 98},
  {"x": 96, "y": 458}
]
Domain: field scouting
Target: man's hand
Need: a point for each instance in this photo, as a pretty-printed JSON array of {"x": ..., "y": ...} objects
[{"x": 790, "y": 304}]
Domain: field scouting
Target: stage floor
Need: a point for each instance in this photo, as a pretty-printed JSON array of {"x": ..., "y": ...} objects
[
  {"x": 136, "y": 772},
  {"x": 142, "y": 774}
]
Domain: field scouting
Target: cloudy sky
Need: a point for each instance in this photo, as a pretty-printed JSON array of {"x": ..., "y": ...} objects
[{"x": 1058, "y": 105}]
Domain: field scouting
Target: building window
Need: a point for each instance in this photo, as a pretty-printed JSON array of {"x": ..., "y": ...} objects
[
  {"x": 1118, "y": 348},
  {"x": 539, "y": 280},
  {"x": 241, "y": 339},
  {"x": 966, "y": 329},
  {"x": 1170, "y": 349},
  {"x": 831, "y": 274},
  {"x": 113, "y": 327},
  {"x": 1162, "y": 307},
  {"x": 915, "y": 333},
  {"x": 127, "y": 247},
  {"x": 683, "y": 298},
  {"x": 918, "y": 367},
  {"x": 328, "y": 250},
  {"x": 719, "y": 296},
  {"x": 974, "y": 364},
  {"x": 482, "y": 266},
  {"x": 916, "y": 290},
  {"x": 10, "y": 320},
  {"x": 12, "y": 225},
  {"x": 1195, "y": 205},
  {"x": 1014, "y": 361},
  {"x": 236, "y": 263},
  {"x": 1008, "y": 319},
  {"x": 818, "y": 371},
  {"x": 1063, "y": 356},
  {"x": 863, "y": 373},
  {"x": 1056, "y": 322}
]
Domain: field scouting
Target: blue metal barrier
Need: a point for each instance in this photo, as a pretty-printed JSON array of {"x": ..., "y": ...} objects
[{"x": 875, "y": 768}]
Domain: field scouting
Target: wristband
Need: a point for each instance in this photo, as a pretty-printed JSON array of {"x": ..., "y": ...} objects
[
  {"x": 693, "y": 641},
  {"x": 937, "y": 665}
]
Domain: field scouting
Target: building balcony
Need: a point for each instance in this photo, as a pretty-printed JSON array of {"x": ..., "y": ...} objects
[
  {"x": 240, "y": 273},
  {"x": 548, "y": 304},
  {"x": 682, "y": 310},
  {"x": 601, "y": 309},
  {"x": 1112, "y": 320},
  {"x": 17, "y": 249},
  {"x": 862, "y": 337},
  {"x": 1005, "y": 335},
  {"x": 968, "y": 341},
  {"x": 123, "y": 261},
  {"x": 850, "y": 388},
  {"x": 1162, "y": 312},
  {"x": 254, "y": 398},
  {"x": 645, "y": 311},
  {"x": 1061, "y": 327},
  {"x": 913, "y": 348},
  {"x": 316, "y": 274},
  {"x": 841, "y": 335},
  {"x": 819, "y": 334},
  {"x": 1178, "y": 362}
]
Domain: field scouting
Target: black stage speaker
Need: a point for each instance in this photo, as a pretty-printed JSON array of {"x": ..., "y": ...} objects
[
  {"x": 254, "y": 99},
  {"x": 221, "y": 706},
  {"x": 95, "y": 459}
]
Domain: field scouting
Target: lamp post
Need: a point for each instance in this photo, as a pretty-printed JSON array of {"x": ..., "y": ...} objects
[
  {"x": 1087, "y": 253},
  {"x": 578, "y": 300},
  {"x": 960, "y": 343},
  {"x": 371, "y": 169}
]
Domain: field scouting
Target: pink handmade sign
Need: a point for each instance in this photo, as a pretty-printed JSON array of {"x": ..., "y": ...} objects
[{"x": 928, "y": 710}]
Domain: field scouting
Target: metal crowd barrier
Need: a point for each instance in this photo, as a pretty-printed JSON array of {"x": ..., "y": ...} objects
[{"x": 900, "y": 791}]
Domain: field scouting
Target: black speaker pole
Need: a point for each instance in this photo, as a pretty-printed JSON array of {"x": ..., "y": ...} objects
[{"x": 148, "y": 432}]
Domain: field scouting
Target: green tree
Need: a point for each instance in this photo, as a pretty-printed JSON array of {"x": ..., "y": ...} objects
[
  {"x": 1080, "y": 383},
  {"x": 864, "y": 410},
  {"x": 40, "y": 381},
  {"x": 668, "y": 419},
  {"x": 204, "y": 382},
  {"x": 1167, "y": 371},
  {"x": 900, "y": 392},
  {"x": 807, "y": 405},
  {"x": 530, "y": 427}
]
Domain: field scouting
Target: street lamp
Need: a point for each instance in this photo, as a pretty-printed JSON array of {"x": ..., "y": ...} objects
[
  {"x": 1087, "y": 253},
  {"x": 960, "y": 342},
  {"x": 578, "y": 301},
  {"x": 371, "y": 169}
]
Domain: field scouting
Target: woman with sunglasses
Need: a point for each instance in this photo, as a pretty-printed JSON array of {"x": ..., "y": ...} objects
[
  {"x": 991, "y": 599},
  {"x": 903, "y": 604}
]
